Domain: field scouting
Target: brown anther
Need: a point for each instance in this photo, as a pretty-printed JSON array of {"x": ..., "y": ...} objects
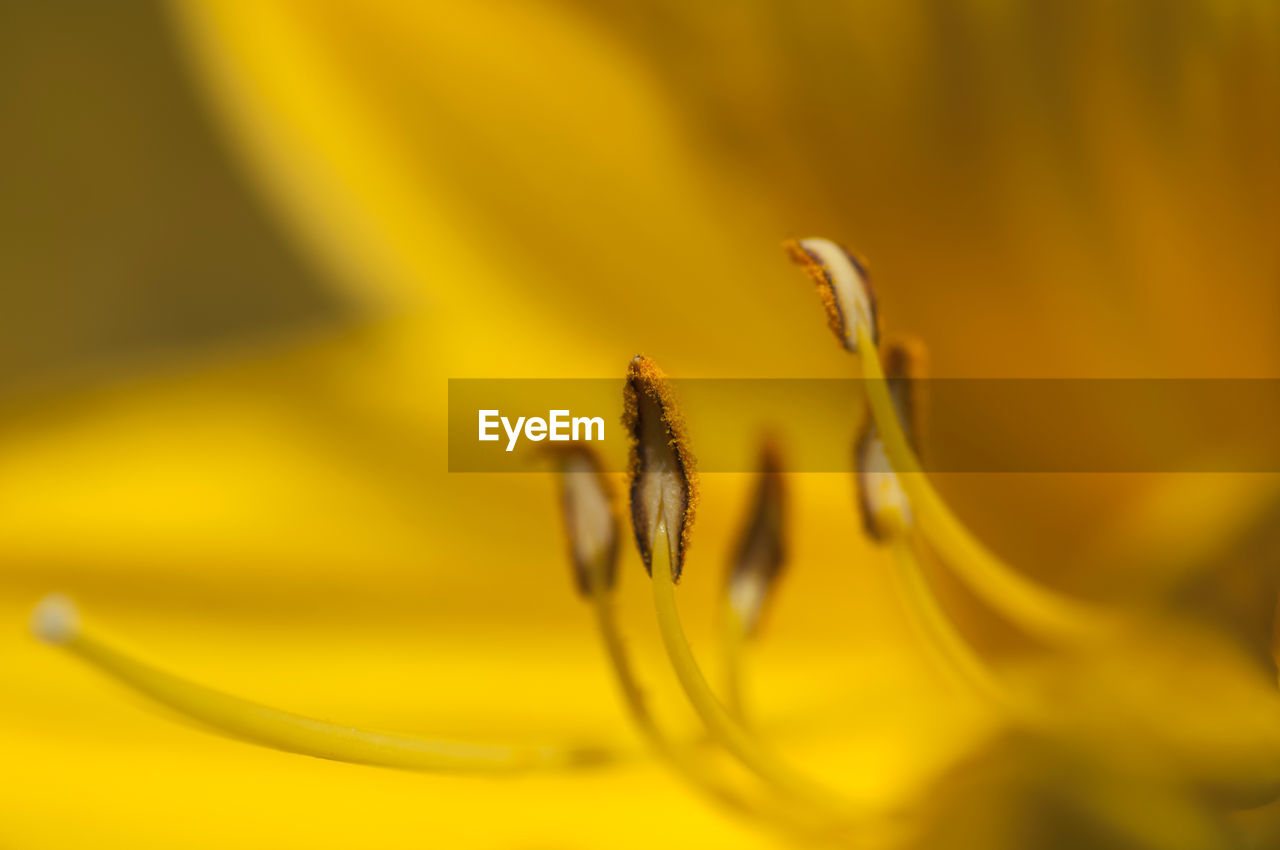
[
  {"x": 843, "y": 284},
  {"x": 761, "y": 552},
  {"x": 590, "y": 519},
  {"x": 663, "y": 482}
]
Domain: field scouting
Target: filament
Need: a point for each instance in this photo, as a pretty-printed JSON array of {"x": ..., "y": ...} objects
[
  {"x": 1037, "y": 609},
  {"x": 719, "y": 722},
  {"x": 679, "y": 756},
  {"x": 638, "y": 709},
  {"x": 56, "y": 622},
  {"x": 953, "y": 655}
]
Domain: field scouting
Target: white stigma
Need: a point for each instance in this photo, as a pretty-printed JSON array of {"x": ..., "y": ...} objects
[{"x": 56, "y": 619}]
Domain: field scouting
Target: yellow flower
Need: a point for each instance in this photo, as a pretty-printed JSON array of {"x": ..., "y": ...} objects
[{"x": 542, "y": 191}]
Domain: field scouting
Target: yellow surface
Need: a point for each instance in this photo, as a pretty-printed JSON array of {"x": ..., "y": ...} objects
[{"x": 544, "y": 190}]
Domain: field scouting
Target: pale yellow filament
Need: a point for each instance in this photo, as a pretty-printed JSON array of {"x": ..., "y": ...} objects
[
  {"x": 1039, "y": 610},
  {"x": 719, "y": 722},
  {"x": 677, "y": 755},
  {"x": 954, "y": 657},
  {"x": 789, "y": 820},
  {"x": 295, "y": 733}
]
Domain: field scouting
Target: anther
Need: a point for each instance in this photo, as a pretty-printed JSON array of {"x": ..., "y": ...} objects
[
  {"x": 590, "y": 520},
  {"x": 844, "y": 285},
  {"x": 663, "y": 481},
  {"x": 761, "y": 551},
  {"x": 882, "y": 502}
]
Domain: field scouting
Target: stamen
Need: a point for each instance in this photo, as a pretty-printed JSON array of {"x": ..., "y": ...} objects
[
  {"x": 590, "y": 521},
  {"x": 843, "y": 284},
  {"x": 678, "y": 755},
  {"x": 756, "y": 566},
  {"x": 881, "y": 500},
  {"x": 887, "y": 518},
  {"x": 758, "y": 561},
  {"x": 851, "y": 312},
  {"x": 663, "y": 483},
  {"x": 56, "y": 621},
  {"x": 719, "y": 722},
  {"x": 1036, "y": 608},
  {"x": 591, "y": 524},
  {"x": 650, "y": 411},
  {"x": 951, "y": 652}
]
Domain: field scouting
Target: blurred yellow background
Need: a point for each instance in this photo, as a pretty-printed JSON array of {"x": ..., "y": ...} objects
[{"x": 247, "y": 243}]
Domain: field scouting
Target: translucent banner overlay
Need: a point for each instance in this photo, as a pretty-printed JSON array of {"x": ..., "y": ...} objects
[{"x": 970, "y": 425}]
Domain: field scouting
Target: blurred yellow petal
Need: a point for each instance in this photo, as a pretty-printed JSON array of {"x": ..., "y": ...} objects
[{"x": 544, "y": 191}]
